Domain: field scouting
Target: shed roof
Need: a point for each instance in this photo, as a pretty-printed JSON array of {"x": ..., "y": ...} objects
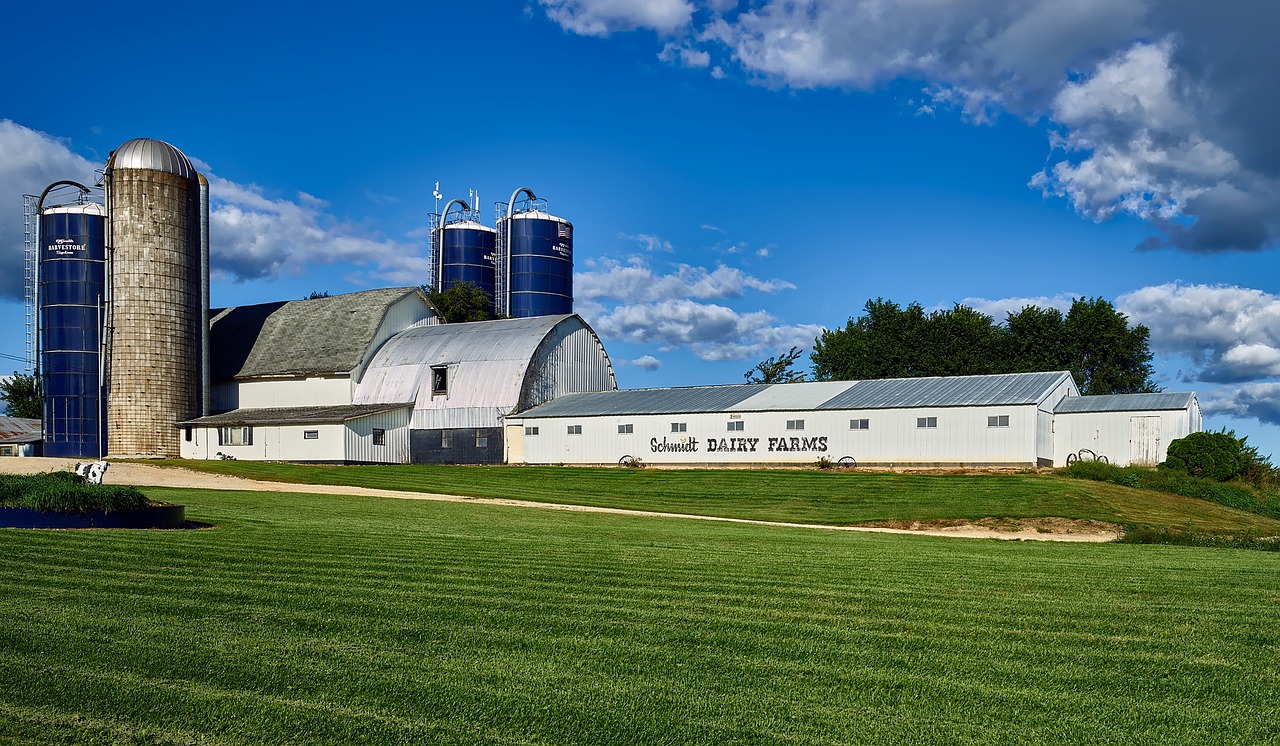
[
  {"x": 293, "y": 415},
  {"x": 301, "y": 337},
  {"x": 1125, "y": 402},
  {"x": 893, "y": 393},
  {"x": 19, "y": 430}
]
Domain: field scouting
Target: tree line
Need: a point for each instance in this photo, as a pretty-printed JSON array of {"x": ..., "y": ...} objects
[{"x": 1092, "y": 340}]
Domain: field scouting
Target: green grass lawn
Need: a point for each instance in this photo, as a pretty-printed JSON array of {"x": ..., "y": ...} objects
[
  {"x": 824, "y": 497},
  {"x": 336, "y": 619}
]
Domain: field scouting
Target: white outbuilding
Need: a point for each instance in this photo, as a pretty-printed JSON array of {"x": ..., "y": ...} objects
[
  {"x": 1004, "y": 420},
  {"x": 1123, "y": 428}
]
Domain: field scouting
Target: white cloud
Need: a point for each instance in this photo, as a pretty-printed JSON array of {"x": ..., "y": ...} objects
[
  {"x": 686, "y": 56},
  {"x": 999, "y": 309},
  {"x": 1230, "y": 333},
  {"x": 711, "y": 332},
  {"x": 254, "y": 236},
  {"x": 708, "y": 227},
  {"x": 636, "y": 281},
  {"x": 1160, "y": 110},
  {"x": 29, "y": 162},
  {"x": 602, "y": 17},
  {"x": 647, "y": 362},
  {"x": 1260, "y": 401}
]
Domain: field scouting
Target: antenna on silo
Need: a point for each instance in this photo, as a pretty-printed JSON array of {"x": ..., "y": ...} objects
[{"x": 438, "y": 197}]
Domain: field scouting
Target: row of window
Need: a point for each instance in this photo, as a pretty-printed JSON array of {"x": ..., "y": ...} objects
[
  {"x": 482, "y": 438},
  {"x": 243, "y": 436},
  {"x": 740, "y": 426}
]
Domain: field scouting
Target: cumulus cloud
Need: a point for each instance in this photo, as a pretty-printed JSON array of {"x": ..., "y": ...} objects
[
  {"x": 710, "y": 331},
  {"x": 29, "y": 162},
  {"x": 633, "y": 303},
  {"x": 1163, "y": 111},
  {"x": 1260, "y": 401},
  {"x": 636, "y": 281},
  {"x": 1000, "y": 308},
  {"x": 254, "y": 236},
  {"x": 647, "y": 362},
  {"x": 686, "y": 56},
  {"x": 1231, "y": 334}
]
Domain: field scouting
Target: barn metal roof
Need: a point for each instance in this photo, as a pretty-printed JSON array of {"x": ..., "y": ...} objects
[
  {"x": 19, "y": 430},
  {"x": 893, "y": 393},
  {"x": 293, "y": 415},
  {"x": 1125, "y": 402},
  {"x": 689, "y": 399},
  {"x": 301, "y": 337},
  {"x": 955, "y": 391},
  {"x": 487, "y": 362},
  {"x": 153, "y": 155}
]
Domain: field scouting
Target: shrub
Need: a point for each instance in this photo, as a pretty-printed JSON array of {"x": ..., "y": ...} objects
[
  {"x": 66, "y": 492},
  {"x": 1178, "y": 537},
  {"x": 1218, "y": 456},
  {"x": 823, "y": 463}
]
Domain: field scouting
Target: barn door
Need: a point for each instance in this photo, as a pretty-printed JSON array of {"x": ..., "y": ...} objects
[{"x": 1144, "y": 440}]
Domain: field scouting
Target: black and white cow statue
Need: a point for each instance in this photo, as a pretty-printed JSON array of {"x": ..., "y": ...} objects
[{"x": 92, "y": 471}]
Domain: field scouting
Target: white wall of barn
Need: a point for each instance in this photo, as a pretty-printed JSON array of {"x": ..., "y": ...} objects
[
  {"x": 283, "y": 392},
  {"x": 1117, "y": 436},
  {"x": 961, "y": 436},
  {"x": 272, "y": 443},
  {"x": 360, "y": 445}
]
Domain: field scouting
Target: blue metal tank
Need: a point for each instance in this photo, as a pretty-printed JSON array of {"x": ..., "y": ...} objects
[
  {"x": 541, "y": 265},
  {"x": 467, "y": 255},
  {"x": 72, "y": 288}
]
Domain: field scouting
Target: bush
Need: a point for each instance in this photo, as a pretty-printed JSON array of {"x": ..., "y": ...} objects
[
  {"x": 1178, "y": 537},
  {"x": 1236, "y": 495},
  {"x": 66, "y": 492},
  {"x": 1218, "y": 456}
]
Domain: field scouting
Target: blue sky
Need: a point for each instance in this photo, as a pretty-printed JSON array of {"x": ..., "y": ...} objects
[{"x": 738, "y": 177}]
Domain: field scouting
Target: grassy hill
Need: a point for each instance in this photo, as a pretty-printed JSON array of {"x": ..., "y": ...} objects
[
  {"x": 345, "y": 619},
  {"x": 823, "y": 497}
]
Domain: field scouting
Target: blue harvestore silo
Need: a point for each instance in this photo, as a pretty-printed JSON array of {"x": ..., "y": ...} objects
[
  {"x": 72, "y": 289},
  {"x": 467, "y": 255},
  {"x": 540, "y": 264}
]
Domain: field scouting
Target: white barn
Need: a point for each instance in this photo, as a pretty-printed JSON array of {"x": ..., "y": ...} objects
[
  {"x": 966, "y": 421},
  {"x": 1124, "y": 428},
  {"x": 373, "y": 377}
]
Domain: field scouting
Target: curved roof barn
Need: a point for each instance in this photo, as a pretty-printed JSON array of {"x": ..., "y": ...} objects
[{"x": 490, "y": 369}]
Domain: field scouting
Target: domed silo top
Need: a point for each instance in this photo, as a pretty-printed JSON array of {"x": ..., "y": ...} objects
[{"x": 153, "y": 155}]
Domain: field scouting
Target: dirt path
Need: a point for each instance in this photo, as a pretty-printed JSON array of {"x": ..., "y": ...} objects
[{"x": 146, "y": 475}]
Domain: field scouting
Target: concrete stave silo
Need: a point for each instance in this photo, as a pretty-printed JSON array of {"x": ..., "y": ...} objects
[{"x": 157, "y": 297}]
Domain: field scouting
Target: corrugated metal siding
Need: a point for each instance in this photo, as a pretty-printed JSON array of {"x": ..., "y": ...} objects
[
  {"x": 958, "y": 391},
  {"x": 1110, "y": 434},
  {"x": 405, "y": 313},
  {"x": 1126, "y": 402},
  {"x": 570, "y": 359},
  {"x": 359, "y": 438},
  {"x": 457, "y": 417}
]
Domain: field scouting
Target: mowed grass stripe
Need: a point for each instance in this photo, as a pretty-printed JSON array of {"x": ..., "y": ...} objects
[
  {"x": 337, "y": 619},
  {"x": 817, "y": 497}
]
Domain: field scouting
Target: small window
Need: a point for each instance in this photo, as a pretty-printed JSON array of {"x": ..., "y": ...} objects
[
  {"x": 439, "y": 380},
  {"x": 998, "y": 421},
  {"x": 795, "y": 424},
  {"x": 531, "y": 430},
  {"x": 379, "y": 436},
  {"x": 859, "y": 424},
  {"x": 627, "y": 429},
  {"x": 736, "y": 426},
  {"x": 926, "y": 422},
  {"x": 310, "y": 434},
  {"x": 575, "y": 429},
  {"x": 679, "y": 427},
  {"x": 186, "y": 433},
  {"x": 446, "y": 439},
  {"x": 482, "y": 439},
  {"x": 235, "y": 436}
]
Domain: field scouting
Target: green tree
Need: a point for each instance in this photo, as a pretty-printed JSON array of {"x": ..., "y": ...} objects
[
  {"x": 462, "y": 302},
  {"x": 885, "y": 342},
  {"x": 1106, "y": 355},
  {"x": 960, "y": 342},
  {"x": 317, "y": 294},
  {"x": 21, "y": 395},
  {"x": 776, "y": 369},
  {"x": 1035, "y": 339}
]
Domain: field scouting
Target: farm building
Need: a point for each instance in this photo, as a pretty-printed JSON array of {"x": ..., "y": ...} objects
[
  {"x": 994, "y": 420},
  {"x": 373, "y": 377},
  {"x": 1124, "y": 428}
]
